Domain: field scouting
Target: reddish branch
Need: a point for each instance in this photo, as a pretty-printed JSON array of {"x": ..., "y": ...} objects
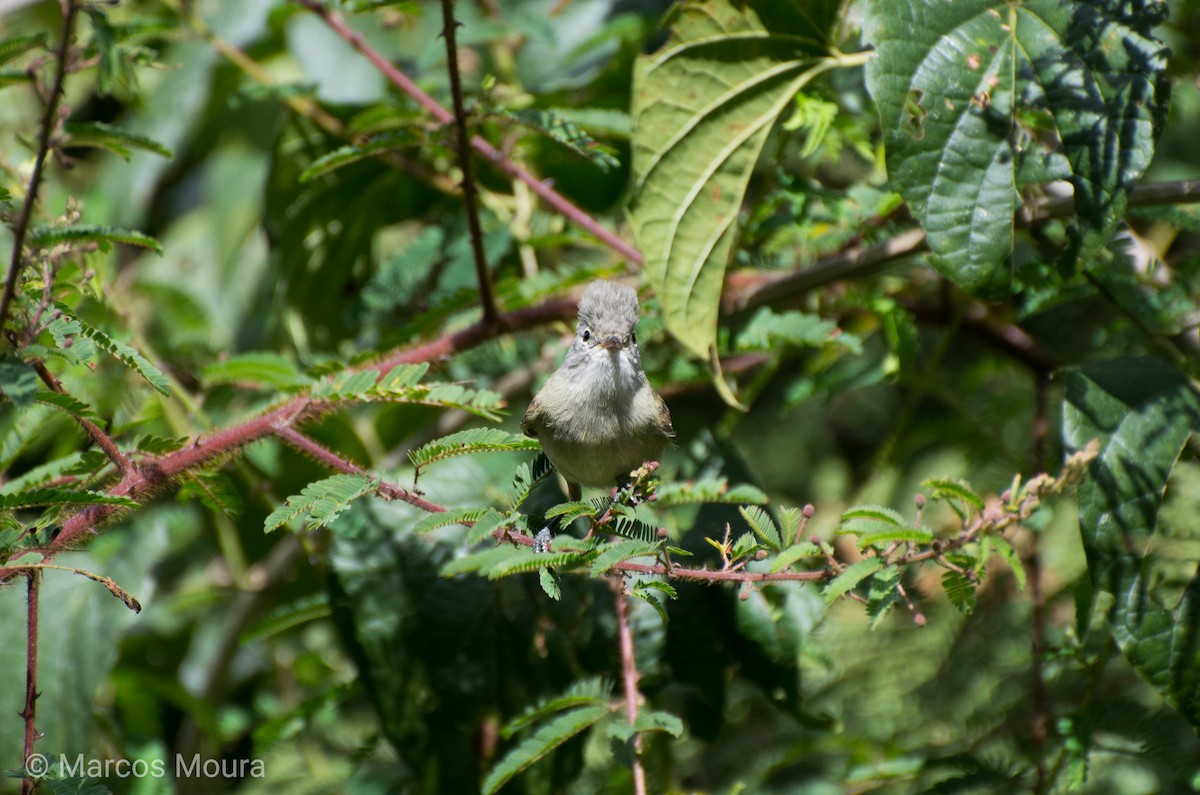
[
  {"x": 401, "y": 81},
  {"x": 332, "y": 460},
  {"x": 157, "y": 473},
  {"x": 629, "y": 677},
  {"x": 45, "y": 138},
  {"x": 29, "y": 784}
]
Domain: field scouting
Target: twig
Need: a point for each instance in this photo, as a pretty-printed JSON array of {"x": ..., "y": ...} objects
[
  {"x": 470, "y": 197},
  {"x": 629, "y": 676},
  {"x": 34, "y": 579},
  {"x": 334, "y": 461},
  {"x": 397, "y": 78},
  {"x": 45, "y": 135}
]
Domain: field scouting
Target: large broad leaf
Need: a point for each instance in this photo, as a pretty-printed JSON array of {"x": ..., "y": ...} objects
[
  {"x": 702, "y": 108},
  {"x": 981, "y": 99},
  {"x": 1142, "y": 411}
]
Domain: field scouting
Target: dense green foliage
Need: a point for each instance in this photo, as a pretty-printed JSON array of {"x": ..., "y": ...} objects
[{"x": 919, "y": 283}]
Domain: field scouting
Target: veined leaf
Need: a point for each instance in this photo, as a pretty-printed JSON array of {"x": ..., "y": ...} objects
[
  {"x": 709, "y": 490},
  {"x": 594, "y": 691},
  {"x": 568, "y": 134},
  {"x": 763, "y": 526},
  {"x": 532, "y": 561},
  {"x": 16, "y": 46},
  {"x": 866, "y": 518},
  {"x": 769, "y": 331},
  {"x": 51, "y": 496},
  {"x": 260, "y": 368},
  {"x": 1143, "y": 412},
  {"x": 68, "y": 403},
  {"x": 805, "y": 549},
  {"x": 981, "y": 99},
  {"x": 114, "y": 139},
  {"x": 620, "y": 552},
  {"x": 950, "y": 490},
  {"x": 320, "y": 502},
  {"x": 959, "y": 590},
  {"x": 352, "y": 153},
  {"x": 462, "y": 516},
  {"x": 912, "y": 535},
  {"x": 549, "y": 736},
  {"x": 570, "y": 511},
  {"x": 855, "y": 573},
  {"x": 474, "y": 440},
  {"x": 525, "y": 478},
  {"x": 103, "y": 236},
  {"x": 702, "y": 108},
  {"x": 129, "y": 356}
]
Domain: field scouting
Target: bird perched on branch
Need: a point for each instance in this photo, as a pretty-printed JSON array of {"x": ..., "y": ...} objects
[{"x": 597, "y": 417}]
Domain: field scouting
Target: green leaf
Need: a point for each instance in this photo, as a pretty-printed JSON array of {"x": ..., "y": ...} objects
[
  {"x": 102, "y": 236},
  {"x": 855, "y": 573},
  {"x": 549, "y": 736},
  {"x": 983, "y": 99},
  {"x": 568, "y": 134},
  {"x": 769, "y": 331},
  {"x": 912, "y": 535},
  {"x": 702, "y": 109},
  {"x": 257, "y": 368},
  {"x": 549, "y": 584},
  {"x": 441, "y": 519},
  {"x": 468, "y": 442},
  {"x": 1142, "y": 411},
  {"x": 763, "y": 526},
  {"x": 651, "y": 598},
  {"x": 379, "y": 144},
  {"x": 959, "y": 591},
  {"x": 882, "y": 594},
  {"x": 320, "y": 502},
  {"x": 16, "y": 46},
  {"x": 570, "y": 511},
  {"x": 709, "y": 490},
  {"x": 526, "y": 560},
  {"x": 127, "y": 355},
  {"x": 114, "y": 139},
  {"x": 614, "y": 554},
  {"x": 1006, "y": 551},
  {"x": 805, "y": 549},
  {"x": 68, "y": 403},
  {"x": 18, "y": 382},
  {"x": 593, "y": 691},
  {"x": 50, "y": 496},
  {"x": 958, "y": 493},
  {"x": 525, "y": 478}
]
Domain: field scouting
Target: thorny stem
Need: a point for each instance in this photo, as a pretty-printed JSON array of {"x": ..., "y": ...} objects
[
  {"x": 401, "y": 81},
  {"x": 45, "y": 136},
  {"x": 470, "y": 197},
  {"x": 629, "y": 676},
  {"x": 335, "y": 461},
  {"x": 34, "y": 580}
]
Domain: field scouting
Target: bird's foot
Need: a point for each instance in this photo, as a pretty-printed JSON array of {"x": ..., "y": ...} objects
[{"x": 541, "y": 541}]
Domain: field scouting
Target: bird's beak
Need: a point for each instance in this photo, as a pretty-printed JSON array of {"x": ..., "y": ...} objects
[{"x": 612, "y": 343}]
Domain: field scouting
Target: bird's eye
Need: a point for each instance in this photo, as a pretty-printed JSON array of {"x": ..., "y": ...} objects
[
  {"x": 633, "y": 336},
  {"x": 587, "y": 335}
]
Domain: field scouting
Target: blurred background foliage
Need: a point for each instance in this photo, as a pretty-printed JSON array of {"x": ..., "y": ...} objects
[{"x": 342, "y": 658}]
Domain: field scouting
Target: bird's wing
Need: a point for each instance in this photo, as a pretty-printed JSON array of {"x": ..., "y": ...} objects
[
  {"x": 664, "y": 417},
  {"x": 527, "y": 422}
]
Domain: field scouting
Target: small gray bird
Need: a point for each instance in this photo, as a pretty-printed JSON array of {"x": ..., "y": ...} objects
[{"x": 597, "y": 417}]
